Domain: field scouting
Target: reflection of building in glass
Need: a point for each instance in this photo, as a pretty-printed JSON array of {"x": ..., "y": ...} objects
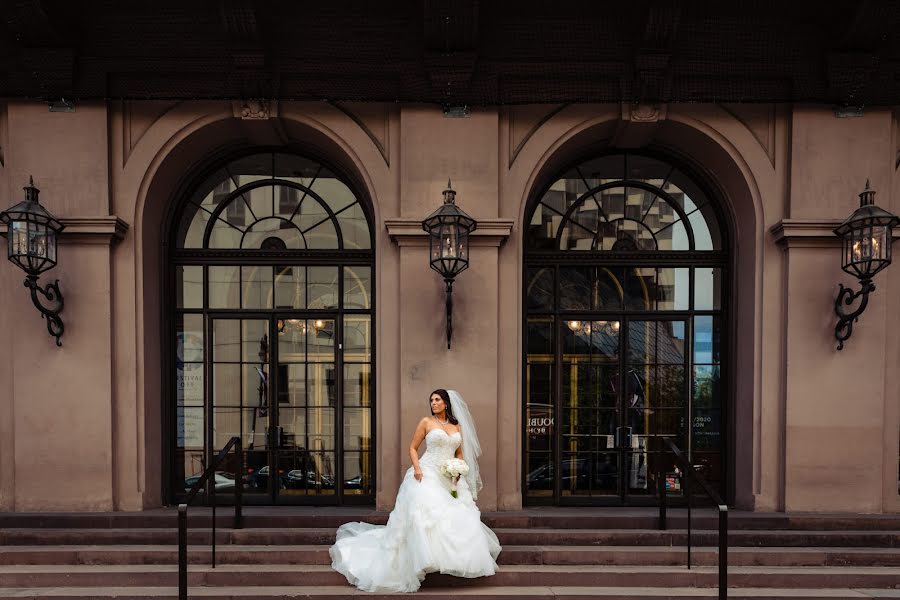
[
  {"x": 307, "y": 429},
  {"x": 625, "y": 328}
]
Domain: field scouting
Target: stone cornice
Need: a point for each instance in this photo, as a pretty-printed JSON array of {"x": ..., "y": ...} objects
[
  {"x": 409, "y": 232},
  {"x": 808, "y": 233},
  {"x": 89, "y": 230}
]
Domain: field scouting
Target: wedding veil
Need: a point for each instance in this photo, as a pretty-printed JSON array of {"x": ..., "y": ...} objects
[{"x": 470, "y": 446}]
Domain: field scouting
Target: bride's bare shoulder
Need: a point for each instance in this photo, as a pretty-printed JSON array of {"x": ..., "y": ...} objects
[{"x": 423, "y": 422}]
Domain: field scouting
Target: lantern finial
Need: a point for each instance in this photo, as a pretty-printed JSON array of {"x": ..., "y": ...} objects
[
  {"x": 31, "y": 192},
  {"x": 867, "y": 197},
  {"x": 449, "y": 193}
]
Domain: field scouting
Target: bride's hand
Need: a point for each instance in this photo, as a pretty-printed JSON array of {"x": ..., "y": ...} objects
[{"x": 418, "y": 475}]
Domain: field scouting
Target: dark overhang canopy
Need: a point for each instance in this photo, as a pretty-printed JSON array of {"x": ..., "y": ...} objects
[{"x": 454, "y": 52}]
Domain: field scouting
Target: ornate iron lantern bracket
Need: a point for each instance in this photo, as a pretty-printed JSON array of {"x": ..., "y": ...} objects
[
  {"x": 32, "y": 237},
  {"x": 846, "y": 297},
  {"x": 51, "y": 292},
  {"x": 866, "y": 241}
]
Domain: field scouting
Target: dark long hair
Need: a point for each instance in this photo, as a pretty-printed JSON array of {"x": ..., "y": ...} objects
[{"x": 446, "y": 397}]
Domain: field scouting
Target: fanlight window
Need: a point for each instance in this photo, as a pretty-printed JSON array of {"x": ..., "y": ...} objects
[
  {"x": 624, "y": 202},
  {"x": 274, "y": 201}
]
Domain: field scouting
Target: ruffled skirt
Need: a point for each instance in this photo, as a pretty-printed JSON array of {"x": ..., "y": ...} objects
[{"x": 428, "y": 531}]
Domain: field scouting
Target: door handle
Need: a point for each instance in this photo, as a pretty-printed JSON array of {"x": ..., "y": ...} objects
[
  {"x": 275, "y": 437},
  {"x": 623, "y": 437}
]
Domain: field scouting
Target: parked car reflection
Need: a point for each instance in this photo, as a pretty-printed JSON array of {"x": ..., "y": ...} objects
[
  {"x": 224, "y": 482},
  {"x": 354, "y": 483},
  {"x": 299, "y": 479},
  {"x": 296, "y": 479},
  {"x": 541, "y": 478},
  {"x": 259, "y": 478}
]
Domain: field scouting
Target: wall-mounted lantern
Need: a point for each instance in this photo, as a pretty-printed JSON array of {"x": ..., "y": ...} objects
[
  {"x": 449, "y": 228},
  {"x": 31, "y": 233},
  {"x": 866, "y": 237}
]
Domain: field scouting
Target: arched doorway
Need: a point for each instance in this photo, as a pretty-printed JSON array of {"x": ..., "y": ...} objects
[
  {"x": 271, "y": 315},
  {"x": 625, "y": 300}
]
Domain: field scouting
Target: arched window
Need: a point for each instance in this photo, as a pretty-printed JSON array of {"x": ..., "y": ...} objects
[
  {"x": 272, "y": 272},
  {"x": 274, "y": 202},
  {"x": 624, "y": 202},
  {"x": 624, "y": 301}
]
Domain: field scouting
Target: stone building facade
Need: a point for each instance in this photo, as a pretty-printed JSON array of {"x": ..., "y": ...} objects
[{"x": 724, "y": 213}]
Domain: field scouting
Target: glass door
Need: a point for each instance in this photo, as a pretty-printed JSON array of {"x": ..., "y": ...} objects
[
  {"x": 238, "y": 376},
  {"x": 623, "y": 383},
  {"x": 589, "y": 411},
  {"x": 655, "y": 402},
  {"x": 305, "y": 399},
  {"x": 282, "y": 384}
]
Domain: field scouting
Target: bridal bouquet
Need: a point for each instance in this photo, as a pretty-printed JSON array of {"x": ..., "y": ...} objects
[{"x": 454, "y": 468}]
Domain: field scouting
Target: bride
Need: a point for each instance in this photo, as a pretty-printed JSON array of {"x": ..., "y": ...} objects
[{"x": 429, "y": 529}]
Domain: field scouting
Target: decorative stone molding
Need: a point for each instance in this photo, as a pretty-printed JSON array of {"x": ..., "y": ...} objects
[
  {"x": 255, "y": 109},
  {"x": 524, "y": 121},
  {"x": 375, "y": 121},
  {"x": 793, "y": 233},
  {"x": 806, "y": 233},
  {"x": 138, "y": 116},
  {"x": 89, "y": 230},
  {"x": 759, "y": 119},
  {"x": 644, "y": 113},
  {"x": 409, "y": 232},
  {"x": 638, "y": 123}
]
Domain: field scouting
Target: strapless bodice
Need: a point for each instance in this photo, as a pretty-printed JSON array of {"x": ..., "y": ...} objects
[{"x": 440, "y": 446}]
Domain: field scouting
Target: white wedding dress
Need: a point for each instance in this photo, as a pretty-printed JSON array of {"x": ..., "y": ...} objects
[{"x": 428, "y": 531}]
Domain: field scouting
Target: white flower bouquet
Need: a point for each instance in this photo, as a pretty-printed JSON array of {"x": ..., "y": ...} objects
[{"x": 454, "y": 468}]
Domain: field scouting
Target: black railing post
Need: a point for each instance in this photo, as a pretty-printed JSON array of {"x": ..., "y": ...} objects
[
  {"x": 688, "y": 473},
  {"x": 204, "y": 483},
  {"x": 687, "y": 492},
  {"x": 661, "y": 480},
  {"x": 212, "y": 501},
  {"x": 182, "y": 552},
  {"x": 723, "y": 551},
  {"x": 239, "y": 487}
]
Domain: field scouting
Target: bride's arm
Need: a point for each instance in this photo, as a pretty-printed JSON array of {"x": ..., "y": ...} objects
[{"x": 418, "y": 437}]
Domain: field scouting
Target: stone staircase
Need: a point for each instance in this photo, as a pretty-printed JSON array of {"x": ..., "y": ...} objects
[{"x": 547, "y": 553}]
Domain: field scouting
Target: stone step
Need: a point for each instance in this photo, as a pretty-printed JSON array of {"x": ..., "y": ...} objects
[
  {"x": 517, "y": 537},
  {"x": 52, "y": 576},
  {"x": 555, "y": 518},
  {"x": 436, "y": 593},
  {"x": 511, "y": 555}
]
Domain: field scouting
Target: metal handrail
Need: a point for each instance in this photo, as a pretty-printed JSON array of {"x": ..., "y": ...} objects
[
  {"x": 691, "y": 472},
  {"x": 235, "y": 443}
]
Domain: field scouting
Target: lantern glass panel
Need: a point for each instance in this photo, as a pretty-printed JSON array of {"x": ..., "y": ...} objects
[
  {"x": 37, "y": 240},
  {"x": 51, "y": 245},
  {"x": 881, "y": 242},
  {"x": 18, "y": 240},
  {"x": 435, "y": 243},
  {"x": 868, "y": 244},
  {"x": 462, "y": 246},
  {"x": 886, "y": 239},
  {"x": 847, "y": 258},
  {"x": 449, "y": 241},
  {"x": 32, "y": 246}
]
